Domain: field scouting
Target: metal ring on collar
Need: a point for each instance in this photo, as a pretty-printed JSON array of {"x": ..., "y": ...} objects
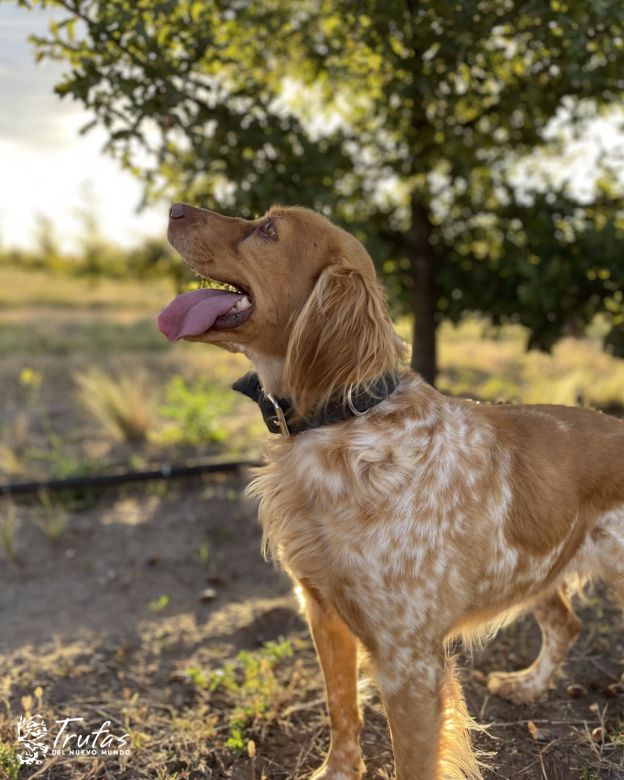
[
  {"x": 351, "y": 405},
  {"x": 280, "y": 417}
]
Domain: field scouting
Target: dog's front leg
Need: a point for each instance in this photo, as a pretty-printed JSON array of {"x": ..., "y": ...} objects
[
  {"x": 427, "y": 714},
  {"x": 412, "y": 694},
  {"x": 337, "y": 651}
]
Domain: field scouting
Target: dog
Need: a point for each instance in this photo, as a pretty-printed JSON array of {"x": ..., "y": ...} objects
[{"x": 405, "y": 517}]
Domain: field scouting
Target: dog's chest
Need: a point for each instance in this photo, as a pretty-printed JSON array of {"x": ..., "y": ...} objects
[{"x": 371, "y": 503}]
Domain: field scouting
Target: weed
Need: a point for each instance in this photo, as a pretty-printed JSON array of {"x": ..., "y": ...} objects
[
  {"x": 57, "y": 462},
  {"x": 7, "y": 529},
  {"x": 9, "y": 762},
  {"x": 52, "y": 520},
  {"x": 54, "y": 457},
  {"x": 618, "y": 736},
  {"x": 163, "y": 774},
  {"x": 252, "y": 690},
  {"x": 196, "y": 408},
  {"x": 15, "y": 438},
  {"x": 157, "y": 605},
  {"x": 11, "y": 462},
  {"x": 124, "y": 405},
  {"x": 196, "y": 676}
]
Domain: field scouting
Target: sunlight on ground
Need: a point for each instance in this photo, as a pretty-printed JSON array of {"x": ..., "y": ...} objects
[{"x": 480, "y": 362}]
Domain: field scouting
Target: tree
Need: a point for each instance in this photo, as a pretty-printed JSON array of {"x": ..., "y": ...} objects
[
  {"x": 47, "y": 252},
  {"x": 400, "y": 119},
  {"x": 154, "y": 257}
]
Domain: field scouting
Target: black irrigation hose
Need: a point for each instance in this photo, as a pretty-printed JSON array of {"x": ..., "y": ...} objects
[{"x": 166, "y": 471}]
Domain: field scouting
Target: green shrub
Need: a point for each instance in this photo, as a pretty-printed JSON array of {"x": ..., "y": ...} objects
[
  {"x": 197, "y": 408},
  {"x": 253, "y": 692},
  {"x": 9, "y": 762}
]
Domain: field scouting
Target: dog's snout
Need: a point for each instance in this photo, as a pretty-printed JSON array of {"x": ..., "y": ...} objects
[{"x": 177, "y": 211}]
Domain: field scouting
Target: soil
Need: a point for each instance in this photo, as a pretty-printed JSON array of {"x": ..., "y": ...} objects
[{"x": 143, "y": 585}]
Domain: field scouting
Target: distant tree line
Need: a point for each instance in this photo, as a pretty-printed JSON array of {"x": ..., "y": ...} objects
[{"x": 97, "y": 257}]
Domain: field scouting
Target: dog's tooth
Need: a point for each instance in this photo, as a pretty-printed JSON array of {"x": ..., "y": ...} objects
[{"x": 242, "y": 304}]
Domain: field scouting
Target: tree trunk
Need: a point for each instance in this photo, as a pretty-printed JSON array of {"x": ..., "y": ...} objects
[{"x": 424, "y": 264}]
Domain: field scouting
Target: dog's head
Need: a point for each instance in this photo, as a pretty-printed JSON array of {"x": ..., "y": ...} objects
[{"x": 297, "y": 294}]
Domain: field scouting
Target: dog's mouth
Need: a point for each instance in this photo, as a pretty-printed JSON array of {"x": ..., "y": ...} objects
[{"x": 222, "y": 306}]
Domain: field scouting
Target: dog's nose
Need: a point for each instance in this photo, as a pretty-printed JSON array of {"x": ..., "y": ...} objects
[{"x": 177, "y": 211}]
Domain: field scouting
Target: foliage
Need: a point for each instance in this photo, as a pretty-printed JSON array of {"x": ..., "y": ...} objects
[
  {"x": 9, "y": 762},
  {"x": 160, "y": 603},
  {"x": 552, "y": 265},
  {"x": 196, "y": 407},
  {"x": 98, "y": 257},
  {"x": 252, "y": 688},
  {"x": 404, "y": 120}
]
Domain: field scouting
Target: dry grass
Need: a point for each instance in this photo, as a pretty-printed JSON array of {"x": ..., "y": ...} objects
[
  {"x": 124, "y": 405},
  {"x": 52, "y": 518},
  {"x": 8, "y": 522},
  {"x": 477, "y": 361},
  {"x": 187, "y": 730},
  {"x": 19, "y": 289},
  {"x": 110, "y": 317},
  {"x": 197, "y": 707},
  {"x": 269, "y": 721},
  {"x": 105, "y": 332}
]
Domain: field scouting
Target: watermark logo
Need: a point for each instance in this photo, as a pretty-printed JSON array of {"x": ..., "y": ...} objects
[
  {"x": 32, "y": 734},
  {"x": 66, "y": 738}
]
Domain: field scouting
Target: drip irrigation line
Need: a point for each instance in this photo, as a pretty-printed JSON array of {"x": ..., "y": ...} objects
[{"x": 98, "y": 481}]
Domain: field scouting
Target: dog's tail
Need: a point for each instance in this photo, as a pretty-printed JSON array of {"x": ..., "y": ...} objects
[{"x": 458, "y": 760}]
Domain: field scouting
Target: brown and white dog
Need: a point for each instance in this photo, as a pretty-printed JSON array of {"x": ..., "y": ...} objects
[{"x": 415, "y": 519}]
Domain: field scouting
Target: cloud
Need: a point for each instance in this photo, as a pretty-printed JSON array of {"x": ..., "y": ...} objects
[
  {"x": 45, "y": 162},
  {"x": 31, "y": 112}
]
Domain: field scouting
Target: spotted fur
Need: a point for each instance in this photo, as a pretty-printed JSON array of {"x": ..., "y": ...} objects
[{"x": 426, "y": 518}]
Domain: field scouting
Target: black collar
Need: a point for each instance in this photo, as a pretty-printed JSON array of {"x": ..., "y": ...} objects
[{"x": 277, "y": 411}]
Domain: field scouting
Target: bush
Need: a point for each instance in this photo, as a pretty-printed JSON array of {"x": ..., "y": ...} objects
[
  {"x": 9, "y": 762},
  {"x": 125, "y": 405},
  {"x": 196, "y": 407}
]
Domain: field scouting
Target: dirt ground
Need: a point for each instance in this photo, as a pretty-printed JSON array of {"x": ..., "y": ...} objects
[{"x": 107, "y": 623}]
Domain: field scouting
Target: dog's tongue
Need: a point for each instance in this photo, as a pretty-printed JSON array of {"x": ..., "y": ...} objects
[{"x": 194, "y": 312}]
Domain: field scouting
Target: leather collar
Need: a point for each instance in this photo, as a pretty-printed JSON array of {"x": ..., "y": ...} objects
[{"x": 278, "y": 411}]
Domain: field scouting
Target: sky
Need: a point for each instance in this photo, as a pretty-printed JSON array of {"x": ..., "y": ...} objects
[{"x": 46, "y": 167}]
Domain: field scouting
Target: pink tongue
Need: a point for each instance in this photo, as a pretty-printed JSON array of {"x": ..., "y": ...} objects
[{"x": 194, "y": 312}]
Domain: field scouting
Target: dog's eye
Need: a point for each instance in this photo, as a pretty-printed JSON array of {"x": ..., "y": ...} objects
[{"x": 267, "y": 228}]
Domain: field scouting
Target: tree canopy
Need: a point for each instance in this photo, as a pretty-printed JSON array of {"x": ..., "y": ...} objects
[{"x": 401, "y": 120}]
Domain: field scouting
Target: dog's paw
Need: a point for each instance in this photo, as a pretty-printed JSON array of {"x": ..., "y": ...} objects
[{"x": 516, "y": 687}]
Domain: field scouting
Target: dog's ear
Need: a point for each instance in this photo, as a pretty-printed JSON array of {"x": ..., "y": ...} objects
[{"x": 342, "y": 339}]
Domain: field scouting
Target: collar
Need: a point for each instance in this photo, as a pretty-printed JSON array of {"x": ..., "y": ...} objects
[{"x": 278, "y": 411}]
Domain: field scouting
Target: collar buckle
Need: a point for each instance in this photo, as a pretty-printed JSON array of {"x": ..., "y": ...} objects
[{"x": 280, "y": 417}]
